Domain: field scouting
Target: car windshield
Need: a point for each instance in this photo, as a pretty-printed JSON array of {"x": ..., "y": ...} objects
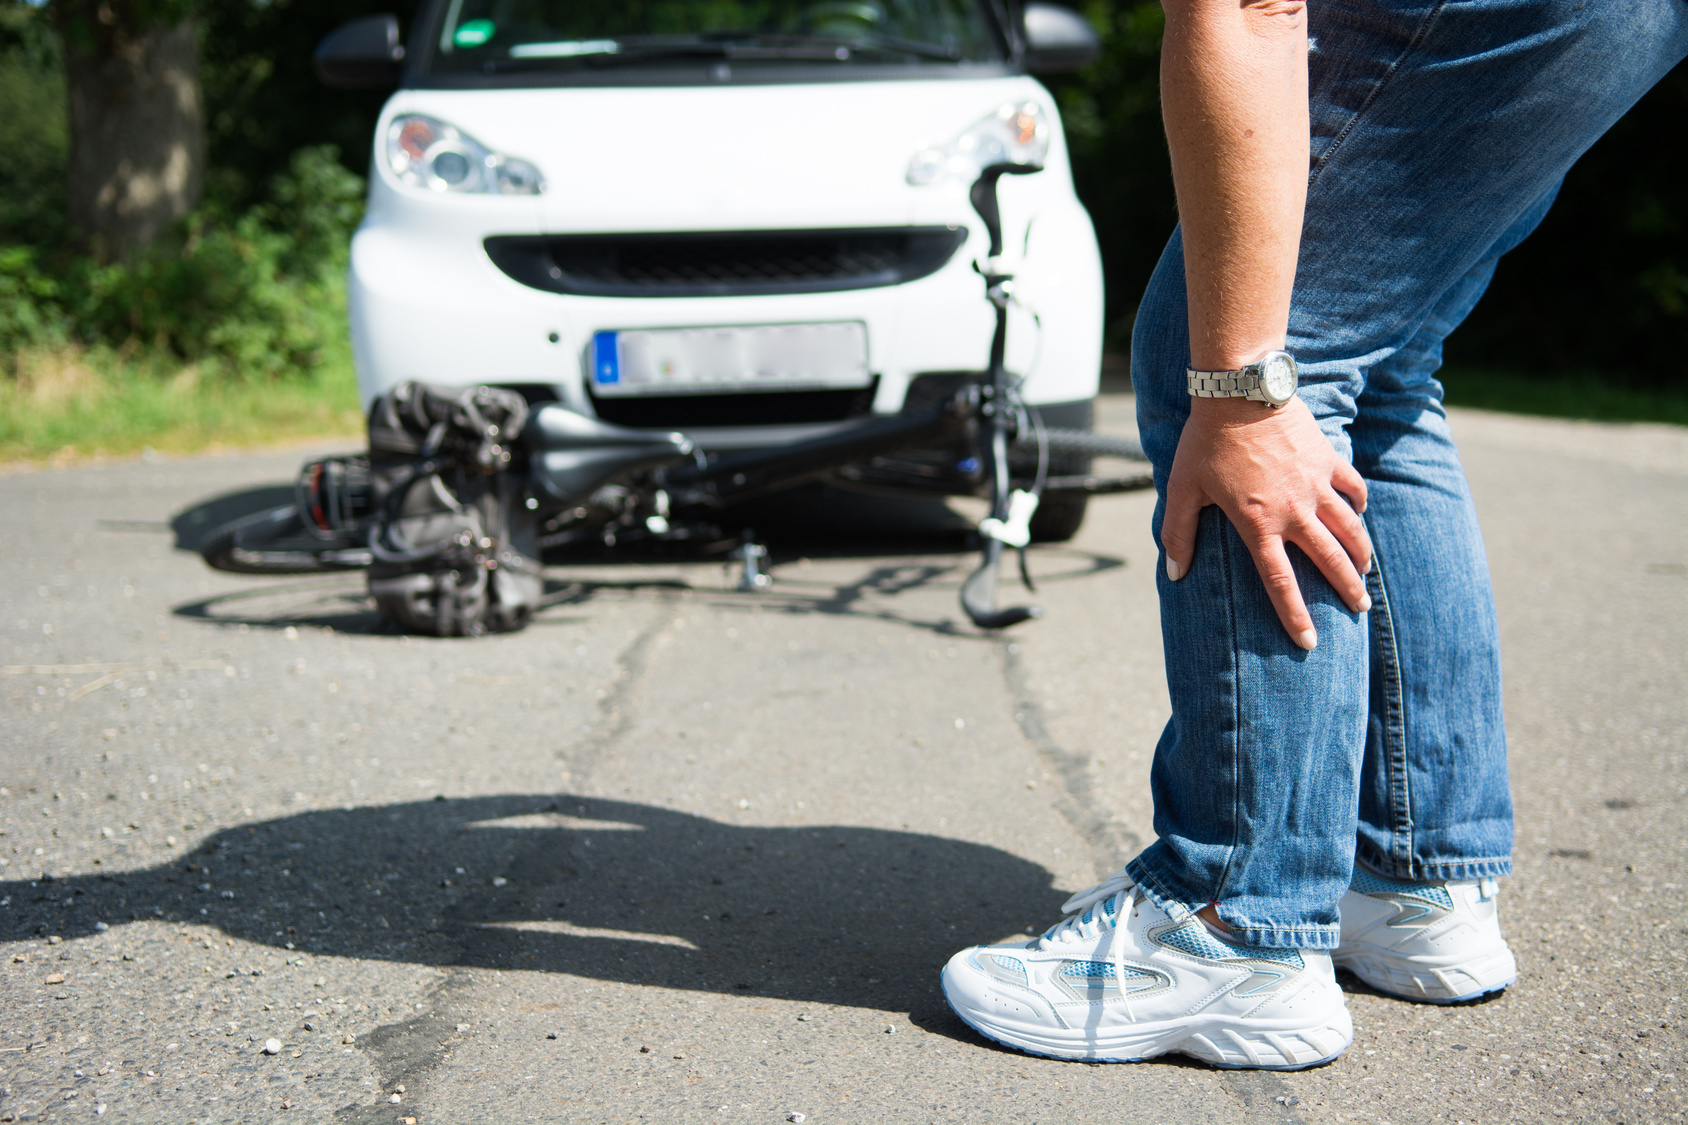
[{"x": 510, "y": 37}]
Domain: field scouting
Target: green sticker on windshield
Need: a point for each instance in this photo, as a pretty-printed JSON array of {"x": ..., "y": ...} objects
[{"x": 475, "y": 33}]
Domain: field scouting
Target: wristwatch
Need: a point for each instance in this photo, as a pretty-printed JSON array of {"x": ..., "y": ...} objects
[{"x": 1271, "y": 379}]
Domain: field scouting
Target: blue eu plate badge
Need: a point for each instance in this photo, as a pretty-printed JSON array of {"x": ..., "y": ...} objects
[{"x": 606, "y": 362}]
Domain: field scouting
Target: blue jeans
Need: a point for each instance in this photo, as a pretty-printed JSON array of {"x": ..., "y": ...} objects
[{"x": 1441, "y": 131}]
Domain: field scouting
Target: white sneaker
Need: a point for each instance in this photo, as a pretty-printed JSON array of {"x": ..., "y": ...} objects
[
  {"x": 1435, "y": 942},
  {"x": 1123, "y": 980}
]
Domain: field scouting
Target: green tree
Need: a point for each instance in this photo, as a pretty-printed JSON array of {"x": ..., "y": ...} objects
[
  {"x": 264, "y": 100},
  {"x": 1112, "y": 115},
  {"x": 32, "y": 126},
  {"x": 136, "y": 159}
]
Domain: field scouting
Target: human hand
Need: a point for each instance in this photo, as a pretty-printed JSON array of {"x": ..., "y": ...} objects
[{"x": 1276, "y": 476}]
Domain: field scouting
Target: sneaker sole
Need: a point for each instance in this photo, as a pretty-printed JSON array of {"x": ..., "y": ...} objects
[
  {"x": 1225, "y": 1044},
  {"x": 1422, "y": 983}
]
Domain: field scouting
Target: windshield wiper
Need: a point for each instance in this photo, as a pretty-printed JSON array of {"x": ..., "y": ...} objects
[
  {"x": 887, "y": 43},
  {"x": 614, "y": 52},
  {"x": 728, "y": 45},
  {"x": 829, "y": 45},
  {"x": 632, "y": 54}
]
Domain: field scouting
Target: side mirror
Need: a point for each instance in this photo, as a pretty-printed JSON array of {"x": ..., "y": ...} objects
[
  {"x": 363, "y": 53},
  {"x": 1057, "y": 39}
]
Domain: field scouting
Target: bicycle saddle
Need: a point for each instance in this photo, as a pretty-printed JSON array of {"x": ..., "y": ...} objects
[{"x": 572, "y": 455}]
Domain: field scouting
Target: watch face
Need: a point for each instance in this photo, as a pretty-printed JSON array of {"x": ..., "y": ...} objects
[{"x": 1277, "y": 377}]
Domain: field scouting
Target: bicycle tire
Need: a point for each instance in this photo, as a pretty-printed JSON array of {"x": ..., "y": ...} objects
[
  {"x": 276, "y": 541},
  {"x": 1083, "y": 443}
]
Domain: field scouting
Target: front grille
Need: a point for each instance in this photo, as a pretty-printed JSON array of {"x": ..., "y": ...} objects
[{"x": 726, "y": 263}]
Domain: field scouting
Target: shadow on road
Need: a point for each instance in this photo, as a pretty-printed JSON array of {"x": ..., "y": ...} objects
[
  {"x": 341, "y": 602},
  {"x": 594, "y": 888},
  {"x": 918, "y": 542},
  {"x": 813, "y": 519}
]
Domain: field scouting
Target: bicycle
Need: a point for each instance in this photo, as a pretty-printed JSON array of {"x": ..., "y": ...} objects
[{"x": 464, "y": 490}]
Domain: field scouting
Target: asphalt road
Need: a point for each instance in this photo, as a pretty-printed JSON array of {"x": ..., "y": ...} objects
[{"x": 676, "y": 853}]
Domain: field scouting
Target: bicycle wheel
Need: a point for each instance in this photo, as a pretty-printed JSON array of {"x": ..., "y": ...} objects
[{"x": 278, "y": 541}]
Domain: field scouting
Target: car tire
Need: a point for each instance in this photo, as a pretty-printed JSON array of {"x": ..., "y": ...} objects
[{"x": 1058, "y": 519}]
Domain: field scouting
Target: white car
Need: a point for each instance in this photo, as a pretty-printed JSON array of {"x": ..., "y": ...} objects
[{"x": 748, "y": 221}]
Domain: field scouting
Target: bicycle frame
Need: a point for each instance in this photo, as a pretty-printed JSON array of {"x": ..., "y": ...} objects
[{"x": 568, "y": 478}]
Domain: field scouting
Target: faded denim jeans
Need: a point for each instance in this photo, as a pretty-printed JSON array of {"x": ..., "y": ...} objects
[{"x": 1441, "y": 131}]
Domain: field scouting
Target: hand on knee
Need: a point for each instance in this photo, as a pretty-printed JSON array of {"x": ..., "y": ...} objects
[{"x": 1279, "y": 481}]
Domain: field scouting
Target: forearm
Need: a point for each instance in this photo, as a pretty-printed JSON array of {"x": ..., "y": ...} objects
[{"x": 1234, "y": 94}]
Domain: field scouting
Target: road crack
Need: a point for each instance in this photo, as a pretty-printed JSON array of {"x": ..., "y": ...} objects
[
  {"x": 613, "y": 715},
  {"x": 1109, "y": 841},
  {"x": 404, "y": 1053}
]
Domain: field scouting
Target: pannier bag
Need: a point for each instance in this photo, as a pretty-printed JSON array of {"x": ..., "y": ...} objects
[{"x": 454, "y": 545}]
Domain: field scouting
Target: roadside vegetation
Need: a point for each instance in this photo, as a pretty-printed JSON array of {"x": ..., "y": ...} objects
[
  {"x": 1568, "y": 394},
  {"x": 229, "y": 325},
  {"x": 224, "y": 321},
  {"x": 230, "y": 328},
  {"x": 70, "y": 403}
]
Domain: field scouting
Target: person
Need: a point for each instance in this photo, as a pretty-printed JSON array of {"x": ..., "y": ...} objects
[{"x": 1331, "y": 789}]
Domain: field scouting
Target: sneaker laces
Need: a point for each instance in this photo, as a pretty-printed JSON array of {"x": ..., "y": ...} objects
[
  {"x": 1120, "y": 880},
  {"x": 1085, "y": 910}
]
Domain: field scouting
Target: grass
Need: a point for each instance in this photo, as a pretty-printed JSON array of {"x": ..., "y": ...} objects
[
  {"x": 66, "y": 404},
  {"x": 1566, "y": 395}
]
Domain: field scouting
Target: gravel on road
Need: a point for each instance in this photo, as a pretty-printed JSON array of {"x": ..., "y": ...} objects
[{"x": 680, "y": 853}]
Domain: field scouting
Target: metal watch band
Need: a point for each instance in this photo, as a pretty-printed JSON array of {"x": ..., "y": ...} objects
[{"x": 1224, "y": 384}]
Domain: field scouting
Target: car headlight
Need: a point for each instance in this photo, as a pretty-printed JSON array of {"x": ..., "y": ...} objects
[
  {"x": 1017, "y": 133},
  {"x": 426, "y": 152}
]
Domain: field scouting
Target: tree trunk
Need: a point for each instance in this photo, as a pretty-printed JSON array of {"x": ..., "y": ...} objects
[{"x": 137, "y": 124}]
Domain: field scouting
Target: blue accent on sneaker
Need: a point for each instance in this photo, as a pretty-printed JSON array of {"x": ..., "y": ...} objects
[
  {"x": 1109, "y": 907},
  {"x": 1365, "y": 883},
  {"x": 1097, "y": 970},
  {"x": 1011, "y": 965},
  {"x": 1197, "y": 942},
  {"x": 1291, "y": 957}
]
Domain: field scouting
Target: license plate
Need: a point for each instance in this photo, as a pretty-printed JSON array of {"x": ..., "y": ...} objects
[{"x": 774, "y": 357}]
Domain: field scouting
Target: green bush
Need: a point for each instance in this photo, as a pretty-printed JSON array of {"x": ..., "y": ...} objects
[
  {"x": 316, "y": 205},
  {"x": 34, "y": 138},
  {"x": 253, "y": 295},
  {"x": 30, "y": 314}
]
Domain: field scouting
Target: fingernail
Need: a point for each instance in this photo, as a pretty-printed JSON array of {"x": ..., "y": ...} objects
[
  {"x": 1173, "y": 570},
  {"x": 1308, "y": 640},
  {"x": 1365, "y": 603},
  {"x": 1367, "y": 568}
]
